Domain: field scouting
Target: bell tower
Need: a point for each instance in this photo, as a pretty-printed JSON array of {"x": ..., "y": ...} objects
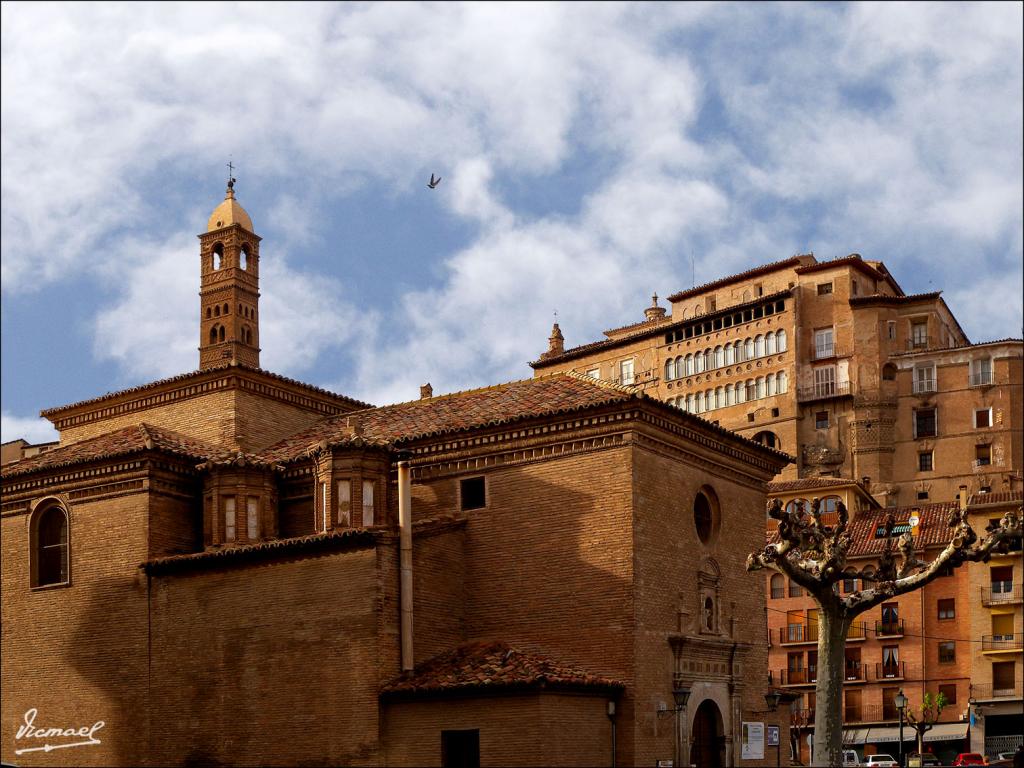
[{"x": 229, "y": 256}]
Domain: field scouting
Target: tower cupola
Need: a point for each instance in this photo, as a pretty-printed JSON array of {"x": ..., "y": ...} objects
[{"x": 229, "y": 257}]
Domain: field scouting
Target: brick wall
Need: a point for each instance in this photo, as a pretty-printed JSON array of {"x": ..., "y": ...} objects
[{"x": 528, "y": 729}]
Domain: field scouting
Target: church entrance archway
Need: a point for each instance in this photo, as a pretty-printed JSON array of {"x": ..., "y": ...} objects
[{"x": 708, "y": 738}]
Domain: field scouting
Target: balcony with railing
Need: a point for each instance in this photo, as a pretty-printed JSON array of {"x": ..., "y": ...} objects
[
  {"x": 866, "y": 713},
  {"x": 825, "y": 351},
  {"x": 797, "y": 634},
  {"x": 893, "y": 670},
  {"x": 917, "y": 342},
  {"x": 892, "y": 628},
  {"x": 1001, "y": 593},
  {"x": 982, "y": 379},
  {"x": 794, "y": 677},
  {"x": 858, "y": 631},
  {"x": 855, "y": 673},
  {"x": 987, "y": 692},
  {"x": 922, "y": 386},
  {"x": 1012, "y": 642},
  {"x": 824, "y": 390}
]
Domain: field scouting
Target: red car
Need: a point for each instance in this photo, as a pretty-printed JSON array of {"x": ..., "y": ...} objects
[{"x": 969, "y": 758}]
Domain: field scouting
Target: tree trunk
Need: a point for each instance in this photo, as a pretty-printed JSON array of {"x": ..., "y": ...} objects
[{"x": 828, "y": 700}]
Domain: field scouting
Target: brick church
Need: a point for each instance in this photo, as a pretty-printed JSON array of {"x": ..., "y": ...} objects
[{"x": 232, "y": 567}]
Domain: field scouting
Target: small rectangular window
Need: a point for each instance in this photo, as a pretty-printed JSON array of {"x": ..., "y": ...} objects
[
  {"x": 252, "y": 518},
  {"x": 925, "y": 423},
  {"x": 922, "y": 495},
  {"x": 795, "y": 590},
  {"x": 821, "y": 420},
  {"x": 947, "y": 608},
  {"x": 229, "y": 518},
  {"x": 775, "y": 412},
  {"x": 626, "y": 371},
  {"x": 983, "y": 418},
  {"x": 982, "y": 455},
  {"x": 344, "y": 503},
  {"x": 892, "y": 330},
  {"x": 948, "y": 690},
  {"x": 854, "y": 288},
  {"x": 925, "y": 461},
  {"x": 367, "y": 503},
  {"x": 750, "y": 416},
  {"x": 947, "y": 652},
  {"x": 1004, "y": 677},
  {"x": 924, "y": 378},
  {"x": 919, "y": 335},
  {"x": 473, "y": 493},
  {"x": 824, "y": 289},
  {"x": 594, "y": 373}
]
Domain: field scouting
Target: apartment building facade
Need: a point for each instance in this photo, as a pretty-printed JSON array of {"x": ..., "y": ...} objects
[
  {"x": 935, "y": 640},
  {"x": 833, "y": 363}
]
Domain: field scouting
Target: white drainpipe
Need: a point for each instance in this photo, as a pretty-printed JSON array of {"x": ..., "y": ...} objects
[{"x": 405, "y": 560}]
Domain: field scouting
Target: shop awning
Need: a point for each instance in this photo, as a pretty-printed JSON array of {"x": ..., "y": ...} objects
[
  {"x": 947, "y": 732},
  {"x": 855, "y": 736},
  {"x": 889, "y": 734}
]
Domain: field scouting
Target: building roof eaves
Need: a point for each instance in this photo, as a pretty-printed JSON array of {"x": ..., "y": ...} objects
[
  {"x": 882, "y": 298},
  {"x": 854, "y": 260},
  {"x": 125, "y": 441},
  {"x": 49, "y": 413},
  {"x": 642, "y": 333},
  {"x": 754, "y": 272},
  {"x": 934, "y": 350}
]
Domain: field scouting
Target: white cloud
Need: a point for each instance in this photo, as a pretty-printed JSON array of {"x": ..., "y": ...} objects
[
  {"x": 734, "y": 133},
  {"x": 34, "y": 430}
]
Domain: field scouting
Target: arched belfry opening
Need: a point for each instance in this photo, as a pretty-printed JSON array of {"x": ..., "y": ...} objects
[{"x": 229, "y": 277}]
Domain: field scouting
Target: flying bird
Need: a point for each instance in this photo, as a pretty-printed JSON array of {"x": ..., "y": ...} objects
[{"x": 433, "y": 182}]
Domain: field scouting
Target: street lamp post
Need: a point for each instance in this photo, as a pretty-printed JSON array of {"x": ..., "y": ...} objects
[
  {"x": 680, "y": 695},
  {"x": 901, "y": 704}
]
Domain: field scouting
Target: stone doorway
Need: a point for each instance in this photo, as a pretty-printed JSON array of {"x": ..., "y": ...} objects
[{"x": 708, "y": 739}]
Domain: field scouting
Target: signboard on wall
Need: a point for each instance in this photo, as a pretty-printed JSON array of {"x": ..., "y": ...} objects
[
  {"x": 772, "y": 733},
  {"x": 752, "y": 744}
]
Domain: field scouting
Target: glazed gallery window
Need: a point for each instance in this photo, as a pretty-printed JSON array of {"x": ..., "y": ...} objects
[
  {"x": 823, "y": 345},
  {"x": 368, "y": 503},
  {"x": 252, "y": 517},
  {"x": 229, "y": 519},
  {"x": 51, "y": 547},
  {"x": 344, "y": 502}
]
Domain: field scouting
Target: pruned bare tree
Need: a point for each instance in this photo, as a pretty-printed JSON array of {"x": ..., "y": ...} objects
[
  {"x": 813, "y": 555},
  {"x": 931, "y": 708}
]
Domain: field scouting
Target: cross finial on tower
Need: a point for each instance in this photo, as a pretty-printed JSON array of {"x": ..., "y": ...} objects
[{"x": 231, "y": 175}]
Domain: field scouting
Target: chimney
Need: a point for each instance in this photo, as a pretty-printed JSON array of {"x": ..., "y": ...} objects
[
  {"x": 556, "y": 343},
  {"x": 962, "y": 497},
  {"x": 352, "y": 426},
  {"x": 426, "y": 391},
  {"x": 654, "y": 312},
  {"x": 866, "y": 482}
]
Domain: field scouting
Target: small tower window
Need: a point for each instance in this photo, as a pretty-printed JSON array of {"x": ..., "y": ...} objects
[
  {"x": 226, "y": 309},
  {"x": 220, "y": 333},
  {"x": 216, "y": 311},
  {"x": 244, "y": 256},
  {"x": 209, "y": 312},
  {"x": 218, "y": 256},
  {"x": 213, "y": 335}
]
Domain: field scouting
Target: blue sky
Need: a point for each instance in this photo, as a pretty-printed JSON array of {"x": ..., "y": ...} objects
[{"x": 588, "y": 152}]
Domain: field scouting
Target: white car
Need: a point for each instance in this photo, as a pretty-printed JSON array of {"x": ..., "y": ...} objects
[{"x": 881, "y": 761}]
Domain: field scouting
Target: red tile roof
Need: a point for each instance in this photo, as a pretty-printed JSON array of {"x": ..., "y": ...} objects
[
  {"x": 494, "y": 665},
  {"x": 50, "y": 412},
  {"x": 1001, "y": 497},
  {"x": 933, "y": 529},
  {"x": 233, "y": 554},
  {"x": 793, "y": 261},
  {"x": 500, "y": 404},
  {"x": 808, "y": 483},
  {"x": 120, "y": 442}
]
